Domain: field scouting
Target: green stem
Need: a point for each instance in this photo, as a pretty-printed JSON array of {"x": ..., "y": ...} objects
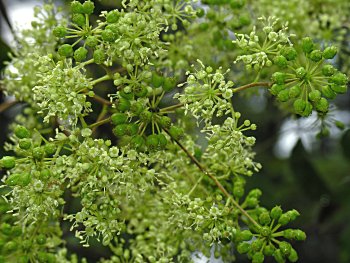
[
  {"x": 99, "y": 123},
  {"x": 104, "y": 78},
  {"x": 254, "y": 84}
]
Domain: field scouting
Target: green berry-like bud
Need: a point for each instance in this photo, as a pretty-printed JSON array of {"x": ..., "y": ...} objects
[
  {"x": 265, "y": 231},
  {"x": 8, "y": 162},
  {"x": 80, "y": 54},
  {"x": 339, "y": 88},
  {"x": 123, "y": 105},
  {"x": 132, "y": 129},
  {"x": 283, "y": 96},
  {"x": 285, "y": 248},
  {"x": 45, "y": 174},
  {"x": 293, "y": 256},
  {"x": 152, "y": 141},
  {"x": 119, "y": 118},
  {"x": 328, "y": 92},
  {"x": 136, "y": 108},
  {"x": 307, "y": 45},
  {"x": 281, "y": 61},
  {"x": 88, "y": 7},
  {"x": 127, "y": 96},
  {"x": 6, "y": 229},
  {"x": 112, "y": 16},
  {"x": 238, "y": 190},
  {"x": 294, "y": 91},
  {"x": 140, "y": 91},
  {"x": 322, "y": 105},
  {"x": 169, "y": 84},
  {"x": 258, "y": 257},
  {"x": 120, "y": 130},
  {"x": 330, "y": 52},
  {"x": 264, "y": 218},
  {"x": 41, "y": 239},
  {"x": 279, "y": 78},
  {"x": 146, "y": 116},
  {"x": 176, "y": 132},
  {"x": 308, "y": 110},
  {"x": 76, "y": 7},
  {"x": 157, "y": 80},
  {"x": 278, "y": 256},
  {"x": 252, "y": 202},
  {"x": 293, "y": 214},
  {"x": 299, "y": 106},
  {"x": 38, "y": 153},
  {"x": 138, "y": 142},
  {"x": 60, "y": 31},
  {"x": 276, "y": 212},
  {"x": 18, "y": 179},
  {"x": 255, "y": 193},
  {"x": 276, "y": 88},
  {"x": 316, "y": 55},
  {"x": 91, "y": 41},
  {"x": 288, "y": 233},
  {"x": 314, "y": 95},
  {"x": 99, "y": 56},
  {"x": 50, "y": 148},
  {"x": 162, "y": 141},
  {"x": 328, "y": 70},
  {"x": 284, "y": 219},
  {"x": 243, "y": 247},
  {"x": 79, "y": 19},
  {"x": 300, "y": 72},
  {"x": 22, "y": 132},
  {"x": 65, "y": 50},
  {"x": 108, "y": 36},
  {"x": 257, "y": 244},
  {"x": 299, "y": 235},
  {"x": 165, "y": 122},
  {"x": 268, "y": 250},
  {"x": 245, "y": 235},
  {"x": 237, "y": 4},
  {"x": 339, "y": 79},
  {"x": 25, "y": 143},
  {"x": 289, "y": 53}
]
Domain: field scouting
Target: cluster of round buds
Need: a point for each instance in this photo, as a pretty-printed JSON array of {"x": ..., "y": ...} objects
[
  {"x": 140, "y": 119},
  {"x": 307, "y": 82},
  {"x": 264, "y": 241}
]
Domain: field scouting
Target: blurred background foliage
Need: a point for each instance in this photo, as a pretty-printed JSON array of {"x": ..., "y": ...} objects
[{"x": 314, "y": 177}]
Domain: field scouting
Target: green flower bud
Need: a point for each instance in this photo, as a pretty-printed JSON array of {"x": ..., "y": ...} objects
[
  {"x": 278, "y": 256},
  {"x": 255, "y": 193},
  {"x": 146, "y": 116},
  {"x": 293, "y": 214},
  {"x": 169, "y": 84},
  {"x": 108, "y": 36},
  {"x": 281, "y": 61},
  {"x": 252, "y": 202},
  {"x": 322, "y": 105},
  {"x": 258, "y": 257},
  {"x": 339, "y": 79},
  {"x": 276, "y": 88},
  {"x": 140, "y": 91},
  {"x": 237, "y": 4},
  {"x": 119, "y": 118},
  {"x": 136, "y": 108},
  {"x": 25, "y": 143},
  {"x": 279, "y": 78},
  {"x": 243, "y": 248},
  {"x": 293, "y": 256},
  {"x": 138, "y": 142},
  {"x": 328, "y": 70},
  {"x": 8, "y": 162},
  {"x": 330, "y": 52},
  {"x": 299, "y": 106},
  {"x": 268, "y": 250},
  {"x": 316, "y": 55},
  {"x": 162, "y": 141},
  {"x": 50, "y": 148},
  {"x": 91, "y": 41},
  {"x": 294, "y": 91},
  {"x": 123, "y": 105},
  {"x": 300, "y": 72},
  {"x": 79, "y": 19},
  {"x": 245, "y": 235},
  {"x": 308, "y": 110},
  {"x": 65, "y": 50},
  {"x": 18, "y": 179},
  {"x": 120, "y": 130},
  {"x": 152, "y": 141},
  {"x": 88, "y": 7},
  {"x": 265, "y": 231},
  {"x": 200, "y": 12},
  {"x": 127, "y": 96},
  {"x": 132, "y": 129},
  {"x": 80, "y": 54},
  {"x": 289, "y": 53},
  {"x": 238, "y": 190},
  {"x": 328, "y": 92},
  {"x": 285, "y": 248},
  {"x": 283, "y": 96},
  {"x": 284, "y": 219},
  {"x": 112, "y": 16},
  {"x": 165, "y": 122},
  {"x": 339, "y": 88},
  {"x": 264, "y": 218},
  {"x": 6, "y": 229},
  {"x": 99, "y": 56},
  {"x": 38, "y": 153},
  {"x": 22, "y": 132},
  {"x": 45, "y": 174},
  {"x": 176, "y": 132},
  {"x": 60, "y": 31},
  {"x": 257, "y": 244},
  {"x": 41, "y": 239},
  {"x": 76, "y": 7},
  {"x": 288, "y": 233},
  {"x": 276, "y": 212},
  {"x": 299, "y": 235},
  {"x": 157, "y": 80},
  {"x": 307, "y": 45},
  {"x": 314, "y": 95}
]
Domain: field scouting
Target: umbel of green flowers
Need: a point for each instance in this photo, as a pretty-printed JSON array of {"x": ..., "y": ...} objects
[{"x": 109, "y": 100}]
